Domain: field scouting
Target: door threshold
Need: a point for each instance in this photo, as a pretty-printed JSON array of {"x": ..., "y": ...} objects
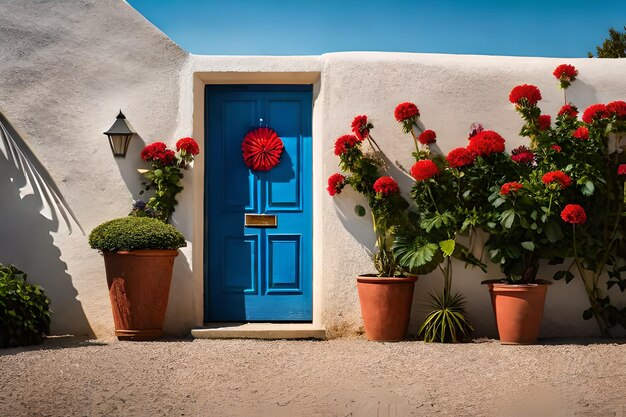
[{"x": 259, "y": 331}]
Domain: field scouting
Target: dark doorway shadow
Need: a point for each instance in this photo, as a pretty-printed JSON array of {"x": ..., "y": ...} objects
[{"x": 32, "y": 208}]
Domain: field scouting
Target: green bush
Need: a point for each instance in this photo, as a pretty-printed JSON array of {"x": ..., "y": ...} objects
[
  {"x": 24, "y": 309},
  {"x": 133, "y": 233}
]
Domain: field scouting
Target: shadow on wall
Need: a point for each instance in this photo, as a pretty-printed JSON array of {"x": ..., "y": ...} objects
[
  {"x": 129, "y": 165},
  {"x": 32, "y": 207}
]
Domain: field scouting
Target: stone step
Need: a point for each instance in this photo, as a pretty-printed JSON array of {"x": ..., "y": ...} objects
[{"x": 259, "y": 331}]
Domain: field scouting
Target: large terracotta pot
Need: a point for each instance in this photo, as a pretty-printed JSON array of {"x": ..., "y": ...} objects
[
  {"x": 518, "y": 310},
  {"x": 139, "y": 287},
  {"x": 385, "y": 306}
]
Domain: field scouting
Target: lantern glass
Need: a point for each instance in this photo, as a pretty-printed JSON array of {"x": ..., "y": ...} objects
[{"x": 119, "y": 144}]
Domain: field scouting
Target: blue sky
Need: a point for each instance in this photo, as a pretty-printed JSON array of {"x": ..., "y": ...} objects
[{"x": 567, "y": 28}]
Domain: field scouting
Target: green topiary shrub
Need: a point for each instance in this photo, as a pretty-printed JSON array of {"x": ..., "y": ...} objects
[
  {"x": 24, "y": 309},
  {"x": 133, "y": 233}
]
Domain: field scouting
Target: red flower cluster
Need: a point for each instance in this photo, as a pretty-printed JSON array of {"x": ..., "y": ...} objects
[
  {"x": 345, "y": 142},
  {"x": 427, "y": 137},
  {"x": 335, "y": 184},
  {"x": 406, "y": 111},
  {"x": 188, "y": 145},
  {"x": 385, "y": 186},
  {"x": 569, "y": 110},
  {"x": 510, "y": 187},
  {"x": 565, "y": 72},
  {"x": 360, "y": 127},
  {"x": 617, "y": 108},
  {"x": 595, "y": 111},
  {"x": 621, "y": 170},
  {"x": 158, "y": 152},
  {"x": 424, "y": 169},
  {"x": 544, "y": 122},
  {"x": 525, "y": 95},
  {"x": 486, "y": 143},
  {"x": 574, "y": 214},
  {"x": 581, "y": 133},
  {"x": 460, "y": 157},
  {"x": 556, "y": 148},
  {"x": 522, "y": 155},
  {"x": 559, "y": 177}
]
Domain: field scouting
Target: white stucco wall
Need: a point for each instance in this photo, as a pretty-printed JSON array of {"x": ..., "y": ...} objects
[{"x": 66, "y": 67}]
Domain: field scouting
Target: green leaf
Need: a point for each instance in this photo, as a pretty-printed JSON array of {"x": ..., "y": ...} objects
[
  {"x": 507, "y": 218},
  {"x": 588, "y": 314},
  {"x": 588, "y": 189},
  {"x": 553, "y": 232},
  {"x": 529, "y": 246},
  {"x": 447, "y": 247},
  {"x": 498, "y": 202},
  {"x": 563, "y": 274}
]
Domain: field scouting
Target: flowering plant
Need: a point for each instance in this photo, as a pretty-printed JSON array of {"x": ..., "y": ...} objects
[
  {"x": 448, "y": 194},
  {"x": 164, "y": 177},
  {"x": 565, "y": 198},
  {"x": 364, "y": 171}
]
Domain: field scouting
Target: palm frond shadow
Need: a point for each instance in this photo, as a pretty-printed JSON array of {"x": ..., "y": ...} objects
[{"x": 36, "y": 179}]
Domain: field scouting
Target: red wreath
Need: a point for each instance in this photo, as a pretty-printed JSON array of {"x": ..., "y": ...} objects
[{"x": 262, "y": 149}]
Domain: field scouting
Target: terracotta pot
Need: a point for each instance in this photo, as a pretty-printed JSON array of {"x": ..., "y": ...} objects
[
  {"x": 139, "y": 287},
  {"x": 385, "y": 306},
  {"x": 518, "y": 310}
]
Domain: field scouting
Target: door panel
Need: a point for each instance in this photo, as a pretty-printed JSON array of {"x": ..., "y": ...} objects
[{"x": 258, "y": 273}]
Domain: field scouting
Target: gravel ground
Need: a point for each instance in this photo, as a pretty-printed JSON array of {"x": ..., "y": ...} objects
[{"x": 66, "y": 377}]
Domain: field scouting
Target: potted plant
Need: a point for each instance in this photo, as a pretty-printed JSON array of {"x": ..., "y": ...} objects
[
  {"x": 449, "y": 194},
  {"x": 139, "y": 250},
  {"x": 139, "y": 255},
  {"x": 529, "y": 214},
  {"x": 385, "y": 297}
]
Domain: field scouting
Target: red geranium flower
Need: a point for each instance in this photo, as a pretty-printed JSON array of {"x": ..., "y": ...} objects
[
  {"x": 510, "y": 187},
  {"x": 581, "y": 133},
  {"x": 594, "y": 112},
  {"x": 522, "y": 155},
  {"x": 158, "y": 152},
  {"x": 618, "y": 108},
  {"x": 565, "y": 74},
  {"x": 168, "y": 157},
  {"x": 188, "y": 145},
  {"x": 345, "y": 142},
  {"x": 361, "y": 127},
  {"x": 556, "y": 148},
  {"x": 427, "y": 137},
  {"x": 559, "y": 177},
  {"x": 385, "y": 186},
  {"x": 621, "y": 170},
  {"x": 544, "y": 122},
  {"x": 486, "y": 143},
  {"x": 525, "y": 95},
  {"x": 336, "y": 183},
  {"x": 460, "y": 157},
  {"x": 406, "y": 111},
  {"x": 574, "y": 214},
  {"x": 424, "y": 169},
  {"x": 569, "y": 110}
]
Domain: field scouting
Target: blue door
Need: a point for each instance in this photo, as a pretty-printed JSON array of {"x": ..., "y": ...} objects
[{"x": 256, "y": 272}]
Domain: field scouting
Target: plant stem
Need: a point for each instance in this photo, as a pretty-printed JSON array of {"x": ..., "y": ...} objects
[{"x": 417, "y": 149}]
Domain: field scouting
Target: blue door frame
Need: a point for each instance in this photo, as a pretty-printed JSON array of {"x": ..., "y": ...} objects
[{"x": 258, "y": 273}]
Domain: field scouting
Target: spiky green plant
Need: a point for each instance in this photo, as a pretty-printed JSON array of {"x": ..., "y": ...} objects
[{"x": 447, "y": 322}]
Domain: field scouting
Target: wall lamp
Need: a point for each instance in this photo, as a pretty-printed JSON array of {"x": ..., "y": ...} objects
[{"x": 119, "y": 135}]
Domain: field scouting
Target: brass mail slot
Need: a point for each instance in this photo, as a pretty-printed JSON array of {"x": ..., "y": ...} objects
[{"x": 260, "y": 220}]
